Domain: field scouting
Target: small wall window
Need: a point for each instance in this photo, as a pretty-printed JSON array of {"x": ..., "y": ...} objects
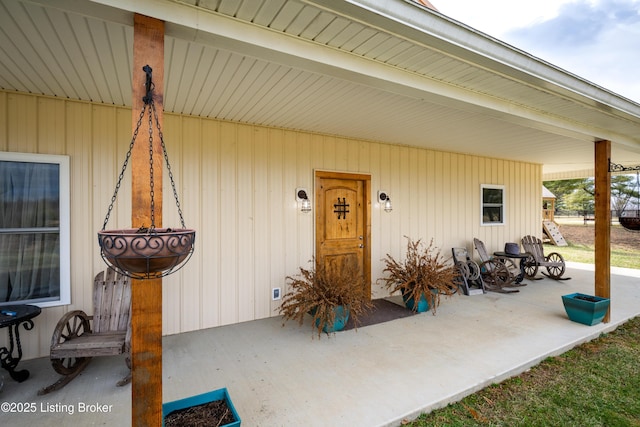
[
  {"x": 493, "y": 204},
  {"x": 34, "y": 229}
]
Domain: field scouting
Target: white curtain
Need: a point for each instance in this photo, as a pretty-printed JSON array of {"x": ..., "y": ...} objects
[{"x": 29, "y": 259}]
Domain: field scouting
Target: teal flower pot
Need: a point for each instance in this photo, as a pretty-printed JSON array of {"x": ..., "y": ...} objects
[
  {"x": 341, "y": 319},
  {"x": 201, "y": 399},
  {"x": 586, "y": 309},
  {"x": 410, "y": 303}
]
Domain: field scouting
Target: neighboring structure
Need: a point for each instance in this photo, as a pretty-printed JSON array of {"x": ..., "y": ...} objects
[
  {"x": 550, "y": 231},
  {"x": 548, "y": 204},
  {"x": 266, "y": 98}
]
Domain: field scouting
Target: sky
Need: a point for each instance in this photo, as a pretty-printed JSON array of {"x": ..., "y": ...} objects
[{"x": 597, "y": 40}]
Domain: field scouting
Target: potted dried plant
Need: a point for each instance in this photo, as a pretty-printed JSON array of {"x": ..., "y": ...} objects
[
  {"x": 422, "y": 278},
  {"x": 330, "y": 293}
]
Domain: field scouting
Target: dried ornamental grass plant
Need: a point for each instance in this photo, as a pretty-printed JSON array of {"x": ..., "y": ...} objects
[
  {"x": 319, "y": 290},
  {"x": 424, "y": 271}
]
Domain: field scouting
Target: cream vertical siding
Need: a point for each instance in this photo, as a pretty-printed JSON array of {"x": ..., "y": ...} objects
[{"x": 237, "y": 184}]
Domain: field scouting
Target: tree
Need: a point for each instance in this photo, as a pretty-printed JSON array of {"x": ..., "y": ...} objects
[
  {"x": 580, "y": 200},
  {"x": 563, "y": 188},
  {"x": 578, "y": 194}
]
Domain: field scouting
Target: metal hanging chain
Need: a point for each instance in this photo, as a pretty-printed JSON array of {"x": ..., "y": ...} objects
[
  {"x": 635, "y": 191},
  {"x": 613, "y": 167},
  {"x": 148, "y": 100},
  {"x": 166, "y": 160},
  {"x": 152, "y": 227},
  {"x": 124, "y": 167}
]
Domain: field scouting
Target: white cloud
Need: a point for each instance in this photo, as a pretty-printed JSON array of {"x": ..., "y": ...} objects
[
  {"x": 497, "y": 17},
  {"x": 597, "y": 40}
]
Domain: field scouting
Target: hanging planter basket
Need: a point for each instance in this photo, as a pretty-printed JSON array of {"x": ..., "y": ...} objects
[
  {"x": 146, "y": 252},
  {"x": 629, "y": 219},
  {"x": 630, "y": 222}
]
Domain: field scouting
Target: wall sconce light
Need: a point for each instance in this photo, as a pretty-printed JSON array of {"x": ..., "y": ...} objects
[
  {"x": 303, "y": 199},
  {"x": 385, "y": 200}
]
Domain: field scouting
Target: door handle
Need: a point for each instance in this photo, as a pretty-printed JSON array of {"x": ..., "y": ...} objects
[{"x": 361, "y": 246}]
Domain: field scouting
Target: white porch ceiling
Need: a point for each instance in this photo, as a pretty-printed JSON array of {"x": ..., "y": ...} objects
[{"x": 338, "y": 67}]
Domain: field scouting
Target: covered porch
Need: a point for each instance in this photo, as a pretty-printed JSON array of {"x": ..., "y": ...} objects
[
  {"x": 260, "y": 96},
  {"x": 375, "y": 376}
]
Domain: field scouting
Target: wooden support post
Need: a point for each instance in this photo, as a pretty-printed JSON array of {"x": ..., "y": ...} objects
[
  {"x": 146, "y": 295},
  {"x": 603, "y": 222}
]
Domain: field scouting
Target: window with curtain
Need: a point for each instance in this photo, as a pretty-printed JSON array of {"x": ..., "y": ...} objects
[
  {"x": 34, "y": 229},
  {"x": 492, "y": 204}
]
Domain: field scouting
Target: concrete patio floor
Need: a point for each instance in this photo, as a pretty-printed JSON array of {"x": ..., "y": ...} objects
[{"x": 375, "y": 376}]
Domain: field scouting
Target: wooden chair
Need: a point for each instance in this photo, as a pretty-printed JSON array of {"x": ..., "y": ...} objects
[
  {"x": 497, "y": 274},
  {"x": 74, "y": 342},
  {"x": 554, "y": 262}
]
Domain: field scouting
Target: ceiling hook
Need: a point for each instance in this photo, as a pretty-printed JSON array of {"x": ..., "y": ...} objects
[{"x": 148, "y": 98}]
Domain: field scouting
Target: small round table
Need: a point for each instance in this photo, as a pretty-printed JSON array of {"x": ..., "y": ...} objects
[
  {"x": 521, "y": 257},
  {"x": 12, "y": 316}
]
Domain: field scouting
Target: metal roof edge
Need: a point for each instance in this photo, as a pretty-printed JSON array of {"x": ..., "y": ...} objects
[{"x": 436, "y": 30}]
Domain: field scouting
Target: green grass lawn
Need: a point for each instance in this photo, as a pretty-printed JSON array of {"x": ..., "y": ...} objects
[
  {"x": 595, "y": 384},
  {"x": 581, "y": 252},
  {"x": 585, "y": 254}
]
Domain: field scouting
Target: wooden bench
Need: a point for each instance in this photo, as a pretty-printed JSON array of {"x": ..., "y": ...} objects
[{"x": 74, "y": 342}]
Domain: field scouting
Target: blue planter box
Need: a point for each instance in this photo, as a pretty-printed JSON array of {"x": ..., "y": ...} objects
[
  {"x": 584, "y": 311},
  {"x": 212, "y": 396}
]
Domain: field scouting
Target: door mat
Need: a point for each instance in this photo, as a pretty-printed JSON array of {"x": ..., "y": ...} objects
[{"x": 382, "y": 311}]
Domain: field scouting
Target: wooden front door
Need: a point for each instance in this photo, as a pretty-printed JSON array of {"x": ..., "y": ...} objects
[{"x": 343, "y": 227}]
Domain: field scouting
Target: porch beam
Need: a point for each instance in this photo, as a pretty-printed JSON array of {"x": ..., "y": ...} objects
[
  {"x": 603, "y": 222},
  {"x": 146, "y": 295}
]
